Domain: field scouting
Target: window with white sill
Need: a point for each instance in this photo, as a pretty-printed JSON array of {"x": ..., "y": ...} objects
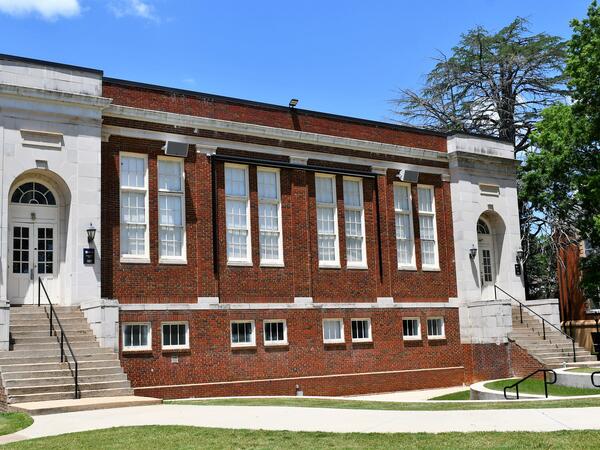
[
  {"x": 275, "y": 332},
  {"x": 237, "y": 208},
  {"x": 243, "y": 333},
  {"x": 175, "y": 335},
  {"x": 134, "y": 205},
  {"x": 405, "y": 244},
  {"x": 411, "y": 328},
  {"x": 361, "y": 330},
  {"x": 435, "y": 328},
  {"x": 137, "y": 336},
  {"x": 171, "y": 205},
  {"x": 427, "y": 227},
  {"x": 327, "y": 224},
  {"x": 269, "y": 216},
  {"x": 354, "y": 216},
  {"x": 333, "y": 331}
]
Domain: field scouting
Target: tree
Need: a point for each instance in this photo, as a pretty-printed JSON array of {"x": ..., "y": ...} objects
[{"x": 493, "y": 83}]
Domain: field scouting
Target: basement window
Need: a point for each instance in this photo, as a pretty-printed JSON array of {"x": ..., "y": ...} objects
[
  {"x": 243, "y": 333},
  {"x": 137, "y": 336},
  {"x": 411, "y": 328},
  {"x": 275, "y": 332},
  {"x": 333, "y": 331},
  {"x": 175, "y": 335},
  {"x": 435, "y": 328},
  {"x": 361, "y": 330}
]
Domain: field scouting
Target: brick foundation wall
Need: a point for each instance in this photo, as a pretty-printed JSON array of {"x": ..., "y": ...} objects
[{"x": 521, "y": 362}]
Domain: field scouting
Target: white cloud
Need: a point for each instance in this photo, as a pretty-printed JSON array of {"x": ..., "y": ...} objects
[
  {"x": 137, "y": 8},
  {"x": 48, "y": 9}
]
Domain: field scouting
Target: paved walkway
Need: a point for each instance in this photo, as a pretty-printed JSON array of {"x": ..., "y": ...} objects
[
  {"x": 314, "y": 419},
  {"x": 409, "y": 396}
]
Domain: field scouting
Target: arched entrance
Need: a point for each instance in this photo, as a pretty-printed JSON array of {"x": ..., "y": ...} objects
[
  {"x": 33, "y": 239},
  {"x": 487, "y": 259}
]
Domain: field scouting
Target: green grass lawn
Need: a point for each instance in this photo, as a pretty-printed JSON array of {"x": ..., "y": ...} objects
[
  {"x": 584, "y": 369},
  {"x": 460, "y": 395},
  {"x": 12, "y": 422},
  {"x": 532, "y": 386},
  {"x": 180, "y": 437},
  {"x": 391, "y": 406}
]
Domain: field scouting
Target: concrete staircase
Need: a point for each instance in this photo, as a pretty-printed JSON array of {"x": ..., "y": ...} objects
[
  {"x": 31, "y": 370},
  {"x": 555, "y": 351}
]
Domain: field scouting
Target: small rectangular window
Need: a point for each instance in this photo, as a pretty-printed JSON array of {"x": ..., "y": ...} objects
[
  {"x": 427, "y": 227},
  {"x": 361, "y": 330},
  {"x": 275, "y": 332},
  {"x": 134, "y": 206},
  {"x": 327, "y": 223},
  {"x": 405, "y": 244},
  {"x": 137, "y": 336},
  {"x": 175, "y": 335},
  {"x": 435, "y": 328},
  {"x": 411, "y": 328},
  {"x": 242, "y": 333},
  {"x": 171, "y": 202},
  {"x": 237, "y": 208},
  {"x": 355, "y": 223},
  {"x": 333, "y": 331},
  {"x": 269, "y": 216}
]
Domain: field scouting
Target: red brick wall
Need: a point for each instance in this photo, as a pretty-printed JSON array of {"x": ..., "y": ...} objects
[
  {"x": 211, "y": 358},
  {"x": 521, "y": 362},
  {"x": 210, "y": 107}
]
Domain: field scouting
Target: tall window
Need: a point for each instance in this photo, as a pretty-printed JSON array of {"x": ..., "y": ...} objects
[
  {"x": 405, "y": 244},
  {"x": 327, "y": 226},
  {"x": 269, "y": 216},
  {"x": 427, "y": 227},
  {"x": 237, "y": 214},
  {"x": 171, "y": 208},
  {"x": 355, "y": 224},
  {"x": 134, "y": 204}
]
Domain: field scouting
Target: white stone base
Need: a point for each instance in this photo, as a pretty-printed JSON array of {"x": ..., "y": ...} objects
[
  {"x": 103, "y": 317},
  {"x": 4, "y": 326}
]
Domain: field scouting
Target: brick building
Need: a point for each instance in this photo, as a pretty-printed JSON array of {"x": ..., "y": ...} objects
[{"x": 244, "y": 248}]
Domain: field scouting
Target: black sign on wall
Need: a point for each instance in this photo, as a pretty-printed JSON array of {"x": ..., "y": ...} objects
[{"x": 89, "y": 256}]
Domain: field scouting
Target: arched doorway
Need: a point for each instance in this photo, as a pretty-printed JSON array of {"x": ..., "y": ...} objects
[
  {"x": 487, "y": 259},
  {"x": 33, "y": 234}
]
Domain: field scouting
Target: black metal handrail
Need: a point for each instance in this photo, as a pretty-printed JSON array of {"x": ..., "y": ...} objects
[
  {"x": 62, "y": 340},
  {"x": 546, "y": 382},
  {"x": 595, "y": 373},
  {"x": 544, "y": 321}
]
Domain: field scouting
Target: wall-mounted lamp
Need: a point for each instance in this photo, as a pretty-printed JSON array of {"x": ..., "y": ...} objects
[
  {"x": 293, "y": 103},
  {"x": 91, "y": 233},
  {"x": 519, "y": 255},
  {"x": 473, "y": 252}
]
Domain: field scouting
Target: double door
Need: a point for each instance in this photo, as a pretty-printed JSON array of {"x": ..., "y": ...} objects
[{"x": 32, "y": 254}]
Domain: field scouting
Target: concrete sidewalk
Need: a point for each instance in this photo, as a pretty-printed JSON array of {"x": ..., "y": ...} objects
[{"x": 314, "y": 419}]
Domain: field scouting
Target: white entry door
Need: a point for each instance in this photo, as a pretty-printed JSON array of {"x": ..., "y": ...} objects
[
  {"x": 487, "y": 269},
  {"x": 32, "y": 253}
]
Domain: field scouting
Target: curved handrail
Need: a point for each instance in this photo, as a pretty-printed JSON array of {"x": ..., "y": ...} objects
[
  {"x": 546, "y": 382},
  {"x": 595, "y": 373},
  {"x": 63, "y": 337},
  {"x": 544, "y": 321}
]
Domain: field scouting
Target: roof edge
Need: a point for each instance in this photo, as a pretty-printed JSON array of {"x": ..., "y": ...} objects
[{"x": 50, "y": 63}]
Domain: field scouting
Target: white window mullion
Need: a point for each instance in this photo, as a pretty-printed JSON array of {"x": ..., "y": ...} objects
[
  {"x": 134, "y": 207},
  {"x": 269, "y": 217},
  {"x": 171, "y": 210},
  {"x": 327, "y": 223},
  {"x": 354, "y": 215},
  {"x": 427, "y": 228},
  {"x": 237, "y": 206},
  {"x": 405, "y": 244}
]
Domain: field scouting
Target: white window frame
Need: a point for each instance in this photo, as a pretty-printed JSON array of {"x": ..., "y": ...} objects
[
  {"x": 335, "y": 264},
  {"x": 363, "y": 263},
  {"x": 243, "y": 344},
  {"x": 412, "y": 338},
  {"x": 362, "y": 319},
  {"x": 436, "y": 264},
  {"x": 181, "y": 194},
  {"x": 139, "y": 347},
  {"x": 285, "y": 333},
  {"x": 127, "y": 257},
  {"x": 175, "y": 347},
  {"x": 279, "y": 261},
  {"x": 334, "y": 341},
  {"x": 411, "y": 239},
  {"x": 437, "y": 336},
  {"x": 247, "y": 260}
]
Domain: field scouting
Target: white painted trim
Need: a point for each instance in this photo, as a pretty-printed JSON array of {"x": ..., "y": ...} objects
[
  {"x": 140, "y": 347},
  {"x": 417, "y": 337},
  {"x": 45, "y": 95},
  {"x": 307, "y": 377},
  {"x": 335, "y": 264},
  {"x": 361, "y": 319},
  {"x": 226, "y": 126},
  {"x": 162, "y": 259},
  {"x": 437, "y": 336},
  {"x": 285, "y": 333},
  {"x": 271, "y": 306},
  {"x": 341, "y": 340},
  {"x": 362, "y": 264},
  {"x": 279, "y": 262},
  {"x": 175, "y": 347},
  {"x": 242, "y": 344},
  {"x": 246, "y": 260}
]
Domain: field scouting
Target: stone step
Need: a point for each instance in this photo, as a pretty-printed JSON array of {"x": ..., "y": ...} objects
[
  {"x": 67, "y": 386},
  {"x": 551, "y": 354},
  {"x": 11, "y": 361},
  {"x": 69, "y": 395},
  {"x": 53, "y": 344},
  {"x": 65, "y": 379},
  {"x": 82, "y": 404},
  {"x": 53, "y": 352},
  {"x": 57, "y": 365},
  {"x": 560, "y": 359},
  {"x": 47, "y": 339},
  {"x": 45, "y": 323},
  {"x": 90, "y": 372},
  {"x": 45, "y": 328}
]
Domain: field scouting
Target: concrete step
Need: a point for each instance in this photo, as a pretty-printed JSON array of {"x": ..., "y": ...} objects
[
  {"x": 48, "y": 373},
  {"x": 49, "y": 396},
  {"x": 44, "y": 322},
  {"x": 4, "y": 362},
  {"x": 53, "y": 351},
  {"x": 47, "y": 339},
  {"x": 67, "y": 386},
  {"x": 68, "y": 328},
  {"x": 83, "y": 404},
  {"x": 53, "y": 344},
  {"x": 560, "y": 359},
  {"x": 65, "y": 379}
]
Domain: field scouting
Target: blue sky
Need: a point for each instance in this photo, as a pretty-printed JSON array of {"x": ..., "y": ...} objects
[{"x": 345, "y": 57}]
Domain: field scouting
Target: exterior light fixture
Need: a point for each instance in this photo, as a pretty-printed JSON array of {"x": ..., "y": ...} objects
[
  {"x": 473, "y": 252},
  {"x": 293, "y": 103},
  {"x": 519, "y": 255},
  {"x": 91, "y": 233}
]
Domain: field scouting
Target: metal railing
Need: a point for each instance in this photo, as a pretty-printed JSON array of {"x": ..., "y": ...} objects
[
  {"x": 544, "y": 321},
  {"x": 593, "y": 383},
  {"x": 62, "y": 338},
  {"x": 546, "y": 382}
]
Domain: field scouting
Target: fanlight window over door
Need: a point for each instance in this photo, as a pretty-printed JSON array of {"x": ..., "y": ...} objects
[
  {"x": 34, "y": 194},
  {"x": 482, "y": 227}
]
